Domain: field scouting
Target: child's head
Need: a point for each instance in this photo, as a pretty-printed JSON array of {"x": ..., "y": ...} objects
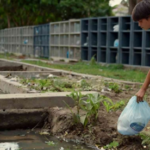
[{"x": 141, "y": 14}]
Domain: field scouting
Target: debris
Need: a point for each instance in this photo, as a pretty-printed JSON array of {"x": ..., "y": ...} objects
[{"x": 50, "y": 76}]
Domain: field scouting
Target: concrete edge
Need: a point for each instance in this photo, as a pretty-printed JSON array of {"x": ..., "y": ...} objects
[
  {"x": 8, "y": 86},
  {"x": 74, "y": 73},
  {"x": 36, "y": 100}
]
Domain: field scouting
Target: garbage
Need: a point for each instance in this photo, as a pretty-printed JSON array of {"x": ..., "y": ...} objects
[
  {"x": 134, "y": 117},
  {"x": 9, "y": 146},
  {"x": 61, "y": 148},
  {"x": 116, "y": 27},
  {"x": 116, "y": 43},
  {"x": 50, "y": 76}
]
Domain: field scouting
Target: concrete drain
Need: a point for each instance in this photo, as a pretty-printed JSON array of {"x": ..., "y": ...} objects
[{"x": 22, "y": 109}]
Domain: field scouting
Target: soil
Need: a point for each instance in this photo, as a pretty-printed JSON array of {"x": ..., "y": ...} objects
[
  {"x": 100, "y": 132},
  {"x": 12, "y": 68}
]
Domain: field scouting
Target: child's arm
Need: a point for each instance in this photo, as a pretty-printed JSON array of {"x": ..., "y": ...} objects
[{"x": 140, "y": 94}]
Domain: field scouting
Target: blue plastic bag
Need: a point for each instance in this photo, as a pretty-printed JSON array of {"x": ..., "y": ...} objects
[{"x": 134, "y": 117}]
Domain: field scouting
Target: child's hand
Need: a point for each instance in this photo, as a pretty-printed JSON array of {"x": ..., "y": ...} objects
[{"x": 140, "y": 95}]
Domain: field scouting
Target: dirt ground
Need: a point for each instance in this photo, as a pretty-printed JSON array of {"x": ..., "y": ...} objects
[
  {"x": 12, "y": 68},
  {"x": 101, "y": 132}
]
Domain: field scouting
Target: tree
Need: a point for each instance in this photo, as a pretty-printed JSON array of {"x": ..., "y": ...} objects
[
  {"x": 26, "y": 12},
  {"x": 131, "y": 4},
  {"x": 84, "y": 8}
]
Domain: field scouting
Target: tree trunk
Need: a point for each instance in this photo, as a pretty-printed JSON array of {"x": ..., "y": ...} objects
[
  {"x": 8, "y": 21},
  {"x": 132, "y": 4}
]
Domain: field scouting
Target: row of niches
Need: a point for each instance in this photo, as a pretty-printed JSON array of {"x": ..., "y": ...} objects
[
  {"x": 115, "y": 55},
  {"x": 17, "y": 48},
  {"x": 66, "y": 27},
  {"x": 74, "y": 40},
  {"x": 115, "y": 39},
  {"x": 65, "y": 52},
  {"x": 18, "y": 31},
  {"x": 109, "y": 24},
  {"x": 42, "y": 30},
  {"x": 17, "y": 40}
]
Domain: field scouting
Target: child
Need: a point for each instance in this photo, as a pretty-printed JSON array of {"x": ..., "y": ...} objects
[{"x": 141, "y": 14}]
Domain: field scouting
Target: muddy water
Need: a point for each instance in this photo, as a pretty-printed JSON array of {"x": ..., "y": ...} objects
[{"x": 26, "y": 140}]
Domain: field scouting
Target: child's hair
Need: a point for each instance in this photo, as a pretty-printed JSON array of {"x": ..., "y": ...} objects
[{"x": 141, "y": 10}]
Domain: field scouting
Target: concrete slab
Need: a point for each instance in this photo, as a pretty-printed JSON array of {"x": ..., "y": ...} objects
[
  {"x": 8, "y": 86},
  {"x": 30, "y": 74},
  {"x": 22, "y": 119},
  {"x": 36, "y": 101}
]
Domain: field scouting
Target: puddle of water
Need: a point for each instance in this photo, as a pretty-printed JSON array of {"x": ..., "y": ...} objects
[{"x": 25, "y": 140}]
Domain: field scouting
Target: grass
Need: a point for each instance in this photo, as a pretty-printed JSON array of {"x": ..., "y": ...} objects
[
  {"x": 111, "y": 71},
  {"x": 7, "y": 56}
]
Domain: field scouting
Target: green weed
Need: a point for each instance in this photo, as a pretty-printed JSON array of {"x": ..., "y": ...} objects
[
  {"x": 114, "y": 87},
  {"x": 109, "y": 105},
  {"x": 93, "y": 61},
  {"x": 111, "y": 71},
  {"x": 114, "y": 144},
  {"x": 145, "y": 139},
  {"x": 50, "y": 143},
  {"x": 90, "y": 103}
]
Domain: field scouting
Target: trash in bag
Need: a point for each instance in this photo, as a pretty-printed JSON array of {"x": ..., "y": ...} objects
[{"x": 134, "y": 117}]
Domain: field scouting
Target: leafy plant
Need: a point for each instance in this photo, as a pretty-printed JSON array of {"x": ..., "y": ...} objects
[
  {"x": 85, "y": 85},
  {"x": 109, "y": 105},
  {"x": 77, "y": 97},
  {"x": 91, "y": 106},
  {"x": 93, "y": 61},
  {"x": 145, "y": 139},
  {"x": 43, "y": 83},
  {"x": 113, "y": 86},
  {"x": 127, "y": 87},
  {"x": 90, "y": 103},
  {"x": 50, "y": 143},
  {"x": 53, "y": 84},
  {"x": 114, "y": 144}
]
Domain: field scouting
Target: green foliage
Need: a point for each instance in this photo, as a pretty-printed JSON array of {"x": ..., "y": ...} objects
[
  {"x": 114, "y": 144},
  {"x": 82, "y": 67},
  {"x": 127, "y": 87},
  {"x": 50, "y": 143},
  {"x": 116, "y": 66},
  {"x": 27, "y": 12},
  {"x": 85, "y": 85},
  {"x": 54, "y": 84},
  {"x": 90, "y": 103},
  {"x": 145, "y": 139},
  {"x": 86, "y": 8},
  {"x": 91, "y": 106},
  {"x": 93, "y": 61},
  {"x": 77, "y": 97},
  {"x": 113, "y": 86},
  {"x": 109, "y": 105}
]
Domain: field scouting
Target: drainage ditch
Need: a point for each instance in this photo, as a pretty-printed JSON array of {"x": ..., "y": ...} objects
[{"x": 23, "y": 113}]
